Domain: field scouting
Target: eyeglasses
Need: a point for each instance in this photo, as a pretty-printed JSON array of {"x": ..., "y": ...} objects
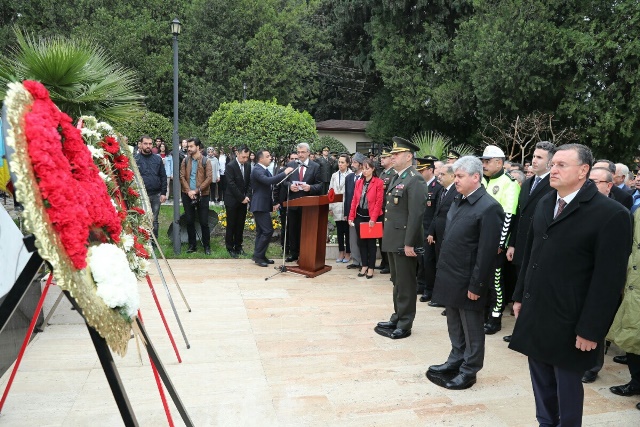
[{"x": 595, "y": 181}]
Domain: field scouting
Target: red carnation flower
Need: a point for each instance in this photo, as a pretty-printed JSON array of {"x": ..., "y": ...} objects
[
  {"x": 133, "y": 192},
  {"x": 139, "y": 210}
]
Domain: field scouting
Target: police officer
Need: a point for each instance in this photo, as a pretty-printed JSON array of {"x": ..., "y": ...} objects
[
  {"x": 505, "y": 189},
  {"x": 406, "y": 198},
  {"x": 427, "y": 262},
  {"x": 386, "y": 174}
]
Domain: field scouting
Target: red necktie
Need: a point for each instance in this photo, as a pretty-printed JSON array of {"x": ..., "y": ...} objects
[
  {"x": 301, "y": 172},
  {"x": 561, "y": 205}
]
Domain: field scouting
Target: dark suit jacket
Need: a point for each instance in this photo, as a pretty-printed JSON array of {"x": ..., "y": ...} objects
[
  {"x": 237, "y": 187},
  {"x": 311, "y": 177},
  {"x": 469, "y": 249},
  {"x": 524, "y": 215},
  {"x": 623, "y": 197},
  {"x": 262, "y": 195},
  {"x": 433, "y": 198},
  {"x": 349, "y": 188},
  {"x": 573, "y": 270},
  {"x": 437, "y": 227}
]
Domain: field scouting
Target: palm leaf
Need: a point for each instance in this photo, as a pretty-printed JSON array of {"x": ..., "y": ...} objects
[
  {"x": 431, "y": 143},
  {"x": 464, "y": 149},
  {"x": 80, "y": 76}
]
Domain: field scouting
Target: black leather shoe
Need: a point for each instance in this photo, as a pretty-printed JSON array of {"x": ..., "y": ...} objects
[
  {"x": 425, "y": 297},
  {"x": 461, "y": 382},
  {"x": 434, "y": 304},
  {"x": 638, "y": 406},
  {"x": 444, "y": 312},
  {"x": 445, "y": 368},
  {"x": 440, "y": 379},
  {"x": 352, "y": 266},
  {"x": 506, "y": 338},
  {"x": 291, "y": 258},
  {"x": 232, "y": 254},
  {"x": 589, "y": 377},
  {"x": 240, "y": 252},
  {"x": 400, "y": 333},
  {"x": 625, "y": 390},
  {"x": 493, "y": 325},
  {"x": 269, "y": 261},
  {"x": 385, "y": 270},
  {"x": 261, "y": 263},
  {"x": 207, "y": 251},
  {"x": 620, "y": 359},
  {"x": 191, "y": 249},
  {"x": 387, "y": 325}
]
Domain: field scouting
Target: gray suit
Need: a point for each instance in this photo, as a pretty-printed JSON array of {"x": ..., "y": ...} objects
[{"x": 466, "y": 261}]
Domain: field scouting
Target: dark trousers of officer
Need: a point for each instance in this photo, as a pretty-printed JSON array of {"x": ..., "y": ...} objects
[
  {"x": 404, "y": 289},
  {"x": 559, "y": 394},
  {"x": 201, "y": 209},
  {"x": 293, "y": 234},
  {"x": 264, "y": 231},
  {"x": 466, "y": 333},
  {"x": 497, "y": 297},
  {"x": 236, "y": 216}
]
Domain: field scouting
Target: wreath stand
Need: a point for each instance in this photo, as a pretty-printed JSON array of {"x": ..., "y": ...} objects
[{"x": 11, "y": 302}]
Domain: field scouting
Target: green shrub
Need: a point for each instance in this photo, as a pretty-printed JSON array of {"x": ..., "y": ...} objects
[{"x": 152, "y": 124}]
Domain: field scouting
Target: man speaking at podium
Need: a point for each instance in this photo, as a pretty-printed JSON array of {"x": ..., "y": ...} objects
[{"x": 306, "y": 181}]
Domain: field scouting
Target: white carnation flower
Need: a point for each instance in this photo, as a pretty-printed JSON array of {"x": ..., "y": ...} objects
[
  {"x": 98, "y": 153},
  {"x": 127, "y": 241},
  {"x": 117, "y": 285}
]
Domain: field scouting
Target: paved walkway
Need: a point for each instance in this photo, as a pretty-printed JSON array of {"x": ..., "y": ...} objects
[{"x": 284, "y": 352}]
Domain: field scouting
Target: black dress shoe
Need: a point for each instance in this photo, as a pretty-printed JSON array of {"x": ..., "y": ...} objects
[
  {"x": 352, "y": 266},
  {"x": 625, "y": 390},
  {"x": 432, "y": 303},
  {"x": 444, "y": 312},
  {"x": 638, "y": 406},
  {"x": 261, "y": 263},
  {"x": 425, "y": 297},
  {"x": 387, "y": 325},
  {"x": 506, "y": 338},
  {"x": 232, "y": 254},
  {"x": 207, "y": 251},
  {"x": 620, "y": 359},
  {"x": 445, "y": 368},
  {"x": 589, "y": 377},
  {"x": 269, "y": 261},
  {"x": 291, "y": 258},
  {"x": 400, "y": 333},
  {"x": 385, "y": 270},
  {"x": 240, "y": 252},
  {"x": 493, "y": 325},
  {"x": 461, "y": 382},
  {"x": 191, "y": 249}
]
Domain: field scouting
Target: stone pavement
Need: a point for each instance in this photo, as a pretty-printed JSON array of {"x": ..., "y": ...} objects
[{"x": 285, "y": 352}]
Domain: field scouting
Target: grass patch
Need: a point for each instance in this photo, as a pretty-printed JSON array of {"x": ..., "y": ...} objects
[{"x": 218, "y": 248}]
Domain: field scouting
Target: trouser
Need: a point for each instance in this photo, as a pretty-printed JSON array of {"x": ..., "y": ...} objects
[
  {"x": 343, "y": 236},
  {"x": 404, "y": 289},
  {"x": 201, "y": 209},
  {"x": 236, "y": 216},
  {"x": 466, "y": 333},
  {"x": 429, "y": 268},
  {"x": 264, "y": 231},
  {"x": 293, "y": 234},
  {"x": 367, "y": 246},
  {"x": 355, "y": 250},
  {"x": 558, "y": 393},
  {"x": 284, "y": 223},
  {"x": 497, "y": 300},
  {"x": 222, "y": 186},
  {"x": 633, "y": 363},
  {"x": 154, "y": 199}
]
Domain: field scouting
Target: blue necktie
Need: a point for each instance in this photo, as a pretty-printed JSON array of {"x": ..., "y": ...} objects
[{"x": 635, "y": 199}]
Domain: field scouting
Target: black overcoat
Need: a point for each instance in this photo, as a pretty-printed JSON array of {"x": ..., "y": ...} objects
[
  {"x": 436, "y": 229},
  {"x": 469, "y": 250},
  {"x": 573, "y": 270},
  {"x": 524, "y": 215}
]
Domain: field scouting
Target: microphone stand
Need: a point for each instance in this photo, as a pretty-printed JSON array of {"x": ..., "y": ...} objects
[{"x": 283, "y": 268}]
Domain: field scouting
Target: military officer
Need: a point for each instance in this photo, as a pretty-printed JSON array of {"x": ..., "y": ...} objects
[
  {"x": 386, "y": 175},
  {"x": 427, "y": 262},
  {"x": 325, "y": 169},
  {"x": 452, "y": 156},
  {"x": 406, "y": 198}
]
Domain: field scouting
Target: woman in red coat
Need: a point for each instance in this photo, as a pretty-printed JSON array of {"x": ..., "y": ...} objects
[{"x": 366, "y": 207}]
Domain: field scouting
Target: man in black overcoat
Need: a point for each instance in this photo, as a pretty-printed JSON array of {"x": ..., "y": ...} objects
[
  {"x": 573, "y": 270},
  {"x": 465, "y": 273}
]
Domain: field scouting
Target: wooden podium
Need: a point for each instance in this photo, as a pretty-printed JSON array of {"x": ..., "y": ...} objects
[{"x": 313, "y": 234}]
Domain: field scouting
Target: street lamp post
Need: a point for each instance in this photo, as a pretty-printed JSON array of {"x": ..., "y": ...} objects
[{"x": 176, "y": 28}]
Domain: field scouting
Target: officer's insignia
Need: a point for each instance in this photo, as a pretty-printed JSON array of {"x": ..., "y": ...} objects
[
  {"x": 395, "y": 200},
  {"x": 400, "y": 186},
  {"x": 395, "y": 145},
  {"x": 495, "y": 189}
]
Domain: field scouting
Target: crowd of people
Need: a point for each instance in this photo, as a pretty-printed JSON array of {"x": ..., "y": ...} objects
[{"x": 554, "y": 236}]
